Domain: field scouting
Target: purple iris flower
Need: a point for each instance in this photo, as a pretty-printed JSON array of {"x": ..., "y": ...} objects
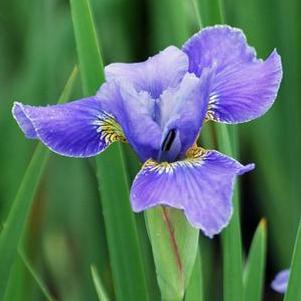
[
  {"x": 158, "y": 107},
  {"x": 280, "y": 282}
]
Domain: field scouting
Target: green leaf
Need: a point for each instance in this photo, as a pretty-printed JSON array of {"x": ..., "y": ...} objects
[
  {"x": 123, "y": 242},
  {"x": 69, "y": 86},
  {"x": 174, "y": 243},
  {"x": 293, "y": 292},
  {"x": 231, "y": 236},
  {"x": 255, "y": 266},
  {"x": 196, "y": 8},
  {"x": 169, "y": 23},
  {"x": 17, "y": 217},
  {"x": 195, "y": 288},
  {"x": 100, "y": 289},
  {"x": 35, "y": 276},
  {"x": 122, "y": 235},
  {"x": 210, "y": 272},
  {"x": 90, "y": 61}
]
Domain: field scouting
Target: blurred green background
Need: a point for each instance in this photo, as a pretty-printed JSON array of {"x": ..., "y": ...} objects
[{"x": 65, "y": 232}]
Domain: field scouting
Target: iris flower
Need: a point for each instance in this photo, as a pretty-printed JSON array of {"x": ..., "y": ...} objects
[
  {"x": 280, "y": 282},
  {"x": 158, "y": 107}
]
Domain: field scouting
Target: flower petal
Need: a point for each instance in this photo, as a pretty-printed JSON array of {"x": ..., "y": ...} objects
[
  {"x": 75, "y": 129},
  {"x": 184, "y": 109},
  {"x": 159, "y": 72},
  {"x": 201, "y": 186},
  {"x": 245, "y": 87},
  {"x": 23, "y": 121},
  {"x": 280, "y": 282},
  {"x": 134, "y": 112}
]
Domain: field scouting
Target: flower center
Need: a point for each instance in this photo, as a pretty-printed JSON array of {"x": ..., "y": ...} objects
[
  {"x": 168, "y": 141},
  {"x": 170, "y": 147}
]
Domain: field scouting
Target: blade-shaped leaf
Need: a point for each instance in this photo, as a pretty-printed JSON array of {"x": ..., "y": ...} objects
[
  {"x": 36, "y": 277},
  {"x": 231, "y": 236},
  {"x": 16, "y": 220},
  {"x": 255, "y": 265},
  {"x": 294, "y": 288},
  {"x": 169, "y": 23},
  {"x": 90, "y": 61},
  {"x": 101, "y": 293},
  {"x": 174, "y": 244},
  {"x": 123, "y": 242},
  {"x": 210, "y": 12},
  {"x": 195, "y": 288}
]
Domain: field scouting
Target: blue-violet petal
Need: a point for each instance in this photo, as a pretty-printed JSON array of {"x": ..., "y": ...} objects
[
  {"x": 280, "y": 282},
  {"x": 164, "y": 70},
  {"x": 201, "y": 186},
  {"x": 245, "y": 87},
  {"x": 76, "y": 129}
]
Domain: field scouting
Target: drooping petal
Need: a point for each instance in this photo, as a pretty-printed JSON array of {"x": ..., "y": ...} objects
[
  {"x": 76, "y": 129},
  {"x": 245, "y": 87},
  {"x": 134, "y": 112},
  {"x": 158, "y": 73},
  {"x": 280, "y": 282},
  {"x": 201, "y": 186},
  {"x": 184, "y": 109}
]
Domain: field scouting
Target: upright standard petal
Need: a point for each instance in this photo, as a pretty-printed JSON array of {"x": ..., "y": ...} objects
[
  {"x": 280, "y": 282},
  {"x": 134, "y": 112},
  {"x": 155, "y": 75},
  {"x": 76, "y": 129},
  {"x": 183, "y": 110},
  {"x": 200, "y": 185},
  {"x": 245, "y": 87}
]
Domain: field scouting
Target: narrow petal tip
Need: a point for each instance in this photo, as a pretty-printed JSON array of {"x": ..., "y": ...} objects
[
  {"x": 246, "y": 168},
  {"x": 24, "y": 122},
  {"x": 275, "y": 60}
]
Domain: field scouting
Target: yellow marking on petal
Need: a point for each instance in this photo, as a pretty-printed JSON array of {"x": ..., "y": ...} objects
[
  {"x": 109, "y": 129},
  {"x": 194, "y": 157},
  {"x": 195, "y": 152}
]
